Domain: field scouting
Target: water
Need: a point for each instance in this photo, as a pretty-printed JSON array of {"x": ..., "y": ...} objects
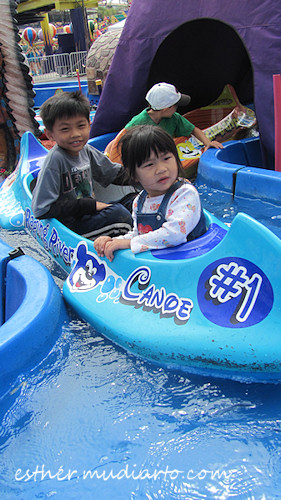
[
  {"x": 92, "y": 421},
  {"x": 225, "y": 208}
]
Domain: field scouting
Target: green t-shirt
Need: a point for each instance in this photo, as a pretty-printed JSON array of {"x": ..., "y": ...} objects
[{"x": 176, "y": 126}]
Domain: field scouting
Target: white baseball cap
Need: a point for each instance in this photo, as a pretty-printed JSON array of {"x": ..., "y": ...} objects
[{"x": 163, "y": 95}]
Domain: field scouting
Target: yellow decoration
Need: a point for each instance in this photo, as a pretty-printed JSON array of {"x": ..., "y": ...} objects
[
  {"x": 59, "y": 5},
  {"x": 46, "y": 30}
]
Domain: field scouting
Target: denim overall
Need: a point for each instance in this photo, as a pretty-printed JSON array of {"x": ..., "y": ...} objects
[{"x": 154, "y": 221}]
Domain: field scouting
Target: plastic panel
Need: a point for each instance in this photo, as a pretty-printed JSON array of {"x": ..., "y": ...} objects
[
  {"x": 102, "y": 141},
  {"x": 264, "y": 184}
]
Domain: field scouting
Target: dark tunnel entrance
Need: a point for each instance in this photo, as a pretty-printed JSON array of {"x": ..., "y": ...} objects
[{"x": 200, "y": 57}]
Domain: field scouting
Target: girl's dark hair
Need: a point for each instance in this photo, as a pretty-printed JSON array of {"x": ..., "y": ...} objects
[
  {"x": 64, "y": 104},
  {"x": 138, "y": 143}
]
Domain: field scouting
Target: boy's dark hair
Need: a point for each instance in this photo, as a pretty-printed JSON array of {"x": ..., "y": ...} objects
[
  {"x": 138, "y": 143},
  {"x": 64, "y": 104}
]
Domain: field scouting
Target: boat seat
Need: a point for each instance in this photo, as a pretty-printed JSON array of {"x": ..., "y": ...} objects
[
  {"x": 242, "y": 153},
  {"x": 33, "y": 184},
  {"x": 32, "y": 179},
  {"x": 194, "y": 248}
]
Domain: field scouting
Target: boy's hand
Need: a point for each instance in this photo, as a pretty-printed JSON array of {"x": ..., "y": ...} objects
[
  {"x": 99, "y": 244},
  {"x": 100, "y": 205},
  {"x": 214, "y": 144},
  {"x": 115, "y": 244}
]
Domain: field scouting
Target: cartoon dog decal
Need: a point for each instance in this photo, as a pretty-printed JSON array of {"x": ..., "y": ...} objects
[{"x": 87, "y": 272}]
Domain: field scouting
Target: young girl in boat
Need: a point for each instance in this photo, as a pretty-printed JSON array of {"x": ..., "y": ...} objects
[{"x": 167, "y": 212}]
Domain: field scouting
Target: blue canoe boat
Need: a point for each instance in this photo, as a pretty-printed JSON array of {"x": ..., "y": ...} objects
[
  {"x": 238, "y": 170},
  {"x": 32, "y": 312},
  {"x": 211, "y": 306}
]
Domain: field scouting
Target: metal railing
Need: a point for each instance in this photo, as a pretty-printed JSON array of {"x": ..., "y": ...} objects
[{"x": 57, "y": 65}]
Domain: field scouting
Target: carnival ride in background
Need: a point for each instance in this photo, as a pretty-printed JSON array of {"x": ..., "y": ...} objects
[
  {"x": 33, "y": 40},
  {"x": 220, "y": 49},
  {"x": 17, "y": 93},
  {"x": 16, "y": 111},
  {"x": 185, "y": 26},
  {"x": 33, "y": 46}
]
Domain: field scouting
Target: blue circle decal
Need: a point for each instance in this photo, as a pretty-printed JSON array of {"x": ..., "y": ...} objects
[
  {"x": 17, "y": 220},
  {"x": 234, "y": 293}
]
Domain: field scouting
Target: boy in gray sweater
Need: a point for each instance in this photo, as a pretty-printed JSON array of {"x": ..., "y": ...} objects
[{"x": 64, "y": 188}]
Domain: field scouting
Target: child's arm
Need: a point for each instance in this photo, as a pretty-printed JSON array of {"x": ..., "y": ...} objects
[
  {"x": 100, "y": 205},
  {"x": 106, "y": 246},
  {"x": 115, "y": 244},
  {"x": 106, "y": 172},
  {"x": 199, "y": 134},
  {"x": 111, "y": 149},
  {"x": 99, "y": 244},
  {"x": 73, "y": 207}
]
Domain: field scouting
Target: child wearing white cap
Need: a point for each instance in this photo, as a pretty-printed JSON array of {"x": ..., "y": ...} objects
[
  {"x": 163, "y": 99},
  {"x": 163, "y": 95}
]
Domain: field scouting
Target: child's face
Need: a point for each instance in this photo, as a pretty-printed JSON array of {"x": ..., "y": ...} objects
[
  {"x": 157, "y": 173},
  {"x": 70, "y": 134}
]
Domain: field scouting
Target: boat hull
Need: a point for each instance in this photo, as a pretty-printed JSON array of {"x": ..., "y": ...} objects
[
  {"x": 188, "y": 312},
  {"x": 238, "y": 170},
  {"x": 32, "y": 312}
]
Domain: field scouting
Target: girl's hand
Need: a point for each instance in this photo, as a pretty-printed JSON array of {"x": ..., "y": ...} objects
[
  {"x": 115, "y": 244},
  {"x": 99, "y": 244}
]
